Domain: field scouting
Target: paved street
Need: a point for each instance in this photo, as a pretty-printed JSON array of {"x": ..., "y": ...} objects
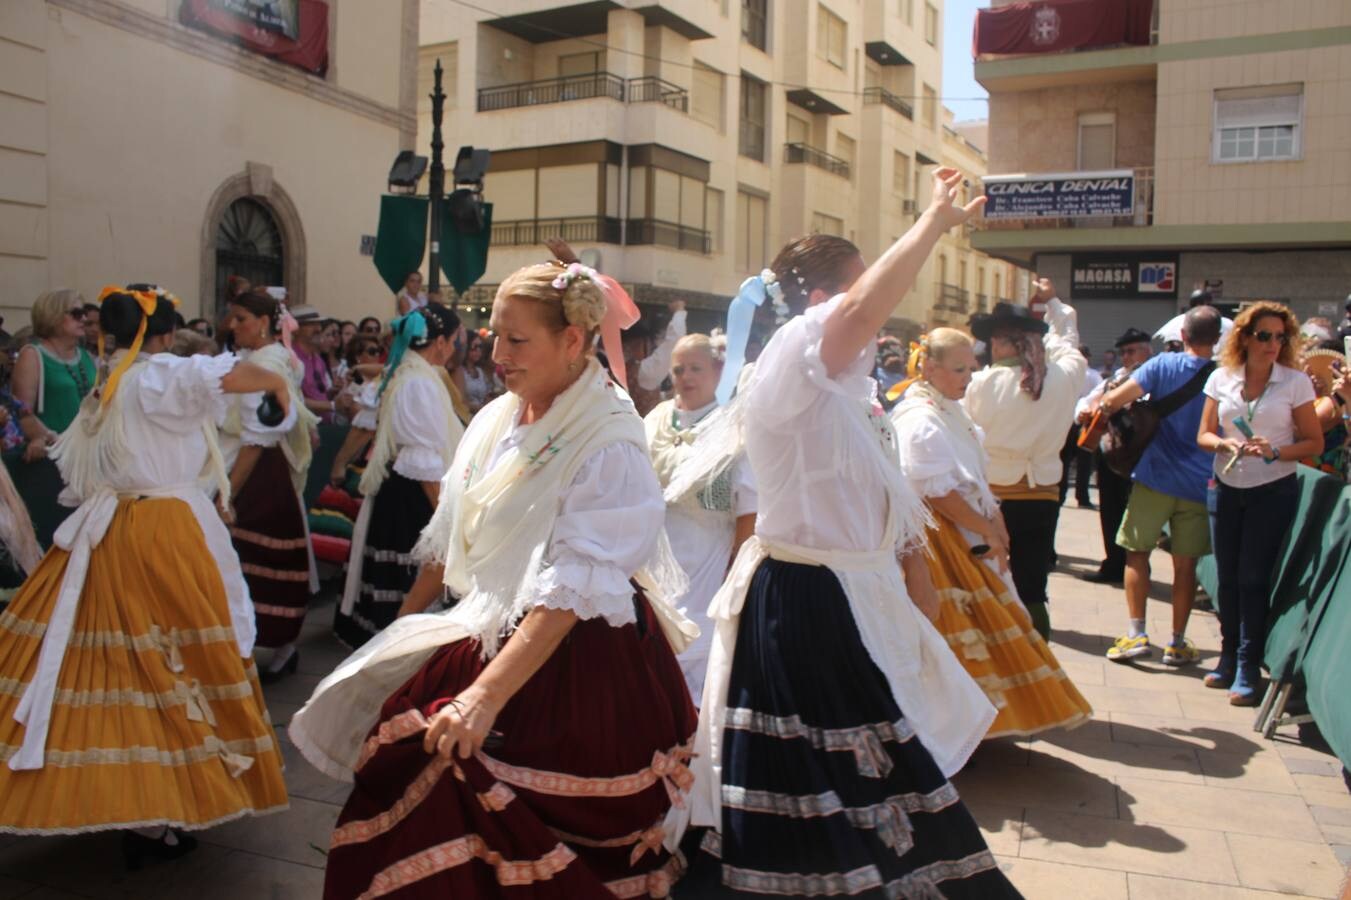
[{"x": 1167, "y": 793}]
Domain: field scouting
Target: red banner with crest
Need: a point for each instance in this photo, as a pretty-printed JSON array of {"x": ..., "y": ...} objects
[
  {"x": 1055, "y": 25},
  {"x": 308, "y": 51}
]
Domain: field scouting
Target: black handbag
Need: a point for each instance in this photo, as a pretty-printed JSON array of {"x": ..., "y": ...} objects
[{"x": 1130, "y": 430}]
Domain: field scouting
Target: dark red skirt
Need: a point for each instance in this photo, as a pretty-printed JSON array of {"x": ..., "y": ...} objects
[
  {"x": 269, "y": 536},
  {"x": 569, "y": 805}
]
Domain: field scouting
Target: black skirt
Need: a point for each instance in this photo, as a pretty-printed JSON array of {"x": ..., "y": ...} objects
[
  {"x": 399, "y": 512},
  {"x": 827, "y": 791}
]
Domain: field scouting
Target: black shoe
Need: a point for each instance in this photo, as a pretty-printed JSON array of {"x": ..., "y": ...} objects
[
  {"x": 270, "y": 676},
  {"x": 136, "y": 848},
  {"x": 1101, "y": 577},
  {"x": 1086, "y": 504}
]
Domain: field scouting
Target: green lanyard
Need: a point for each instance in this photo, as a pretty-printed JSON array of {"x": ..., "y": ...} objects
[{"x": 1253, "y": 404}]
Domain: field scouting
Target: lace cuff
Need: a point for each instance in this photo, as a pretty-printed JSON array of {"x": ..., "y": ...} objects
[
  {"x": 589, "y": 590},
  {"x": 420, "y": 464}
]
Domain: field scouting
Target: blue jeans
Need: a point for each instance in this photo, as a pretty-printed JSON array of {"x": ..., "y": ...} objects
[{"x": 1250, "y": 528}]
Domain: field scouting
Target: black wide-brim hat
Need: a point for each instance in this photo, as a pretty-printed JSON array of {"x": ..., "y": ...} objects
[
  {"x": 1132, "y": 336},
  {"x": 1005, "y": 315}
]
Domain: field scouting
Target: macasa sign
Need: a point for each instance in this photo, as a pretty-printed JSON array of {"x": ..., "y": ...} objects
[{"x": 1124, "y": 276}]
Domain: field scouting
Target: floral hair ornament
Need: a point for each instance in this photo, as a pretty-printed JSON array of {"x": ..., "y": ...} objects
[
  {"x": 740, "y": 316},
  {"x": 147, "y": 300},
  {"x": 406, "y": 329},
  {"x": 573, "y": 272}
]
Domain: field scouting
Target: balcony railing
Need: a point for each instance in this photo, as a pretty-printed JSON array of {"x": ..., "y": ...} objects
[
  {"x": 805, "y": 153},
  {"x": 668, "y": 234},
  {"x": 1143, "y": 215},
  {"x": 875, "y": 95},
  {"x": 982, "y": 303},
  {"x": 952, "y": 298},
  {"x": 584, "y": 229},
  {"x": 654, "y": 90},
  {"x": 552, "y": 90}
]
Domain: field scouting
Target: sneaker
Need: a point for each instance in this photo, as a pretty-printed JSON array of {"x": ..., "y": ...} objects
[
  {"x": 1184, "y": 655},
  {"x": 1129, "y": 648}
]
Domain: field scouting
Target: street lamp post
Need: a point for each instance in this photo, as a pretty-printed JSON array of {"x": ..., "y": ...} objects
[{"x": 437, "y": 187}]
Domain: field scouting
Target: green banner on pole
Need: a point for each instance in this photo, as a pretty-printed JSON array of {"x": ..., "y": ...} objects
[
  {"x": 464, "y": 257},
  {"x": 402, "y": 239}
]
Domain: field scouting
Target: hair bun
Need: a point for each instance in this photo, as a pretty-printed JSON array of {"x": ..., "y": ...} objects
[{"x": 584, "y": 303}]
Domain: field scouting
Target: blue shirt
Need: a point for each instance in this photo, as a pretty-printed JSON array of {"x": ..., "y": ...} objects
[{"x": 1172, "y": 463}]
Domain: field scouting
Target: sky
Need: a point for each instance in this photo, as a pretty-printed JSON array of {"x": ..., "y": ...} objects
[{"x": 958, "y": 71}]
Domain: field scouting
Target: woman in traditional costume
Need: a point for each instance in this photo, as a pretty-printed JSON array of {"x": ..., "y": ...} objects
[
  {"x": 705, "y": 527},
  {"x": 986, "y": 626},
  {"x": 131, "y": 700},
  {"x": 268, "y": 465},
  {"x": 415, "y": 439},
  {"x": 833, "y": 712},
  {"x": 543, "y": 733}
]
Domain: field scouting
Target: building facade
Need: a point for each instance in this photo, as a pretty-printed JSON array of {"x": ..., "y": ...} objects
[
  {"x": 1233, "y": 119},
  {"x": 176, "y": 142},
  {"x": 682, "y": 143}
]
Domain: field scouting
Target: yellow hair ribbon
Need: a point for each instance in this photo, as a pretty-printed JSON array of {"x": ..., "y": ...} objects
[{"x": 147, "y": 301}]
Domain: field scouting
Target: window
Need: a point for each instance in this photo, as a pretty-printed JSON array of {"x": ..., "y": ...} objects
[
  {"x": 900, "y": 174},
  {"x": 249, "y": 244},
  {"x": 755, "y": 23},
  {"x": 706, "y": 99},
  {"x": 580, "y": 64},
  {"x": 831, "y": 37},
  {"x": 713, "y": 213},
  {"x": 931, "y": 24},
  {"x": 1253, "y": 124},
  {"x": 908, "y": 10},
  {"x": 752, "y": 215},
  {"x": 1097, "y": 141},
  {"x": 930, "y": 111},
  {"x": 846, "y": 149},
  {"x": 753, "y": 102},
  {"x": 824, "y": 224},
  {"x": 799, "y": 130}
]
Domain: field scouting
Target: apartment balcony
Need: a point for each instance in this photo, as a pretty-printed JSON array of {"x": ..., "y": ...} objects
[
  {"x": 951, "y": 298},
  {"x": 982, "y": 303},
  {"x": 574, "y": 230},
  {"x": 552, "y": 90},
  {"x": 650, "y": 89},
  {"x": 874, "y": 95},
  {"x": 1121, "y": 45},
  {"x": 659, "y": 233},
  {"x": 805, "y": 153}
]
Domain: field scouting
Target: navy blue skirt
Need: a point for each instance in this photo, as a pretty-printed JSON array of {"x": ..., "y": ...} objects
[{"x": 827, "y": 791}]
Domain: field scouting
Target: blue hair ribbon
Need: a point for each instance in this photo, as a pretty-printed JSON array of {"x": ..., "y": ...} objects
[
  {"x": 406, "y": 329},
  {"x": 740, "y": 317}
]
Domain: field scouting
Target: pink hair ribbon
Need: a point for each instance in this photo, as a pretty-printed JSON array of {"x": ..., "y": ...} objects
[{"x": 621, "y": 313}]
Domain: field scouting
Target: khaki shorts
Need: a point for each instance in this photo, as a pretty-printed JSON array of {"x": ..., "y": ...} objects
[{"x": 1149, "y": 510}]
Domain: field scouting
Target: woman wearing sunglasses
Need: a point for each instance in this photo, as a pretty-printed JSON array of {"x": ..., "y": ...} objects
[
  {"x": 53, "y": 374},
  {"x": 1259, "y": 420}
]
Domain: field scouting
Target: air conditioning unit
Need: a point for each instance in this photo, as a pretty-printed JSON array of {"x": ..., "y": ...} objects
[{"x": 908, "y": 207}]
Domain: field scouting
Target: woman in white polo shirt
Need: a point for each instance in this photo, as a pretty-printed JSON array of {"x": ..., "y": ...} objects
[{"x": 1259, "y": 420}]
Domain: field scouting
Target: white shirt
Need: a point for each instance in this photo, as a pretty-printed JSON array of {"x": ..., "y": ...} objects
[
  {"x": 1024, "y": 436},
  {"x": 1272, "y": 417},
  {"x": 1172, "y": 330},
  {"x": 654, "y": 370},
  {"x": 820, "y": 485},
  {"x": 1092, "y": 379},
  {"x": 608, "y": 524},
  {"x": 420, "y": 436}
]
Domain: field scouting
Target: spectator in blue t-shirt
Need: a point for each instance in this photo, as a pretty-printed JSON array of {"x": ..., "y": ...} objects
[{"x": 1169, "y": 487}]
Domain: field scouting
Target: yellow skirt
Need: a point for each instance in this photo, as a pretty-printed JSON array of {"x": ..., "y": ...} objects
[
  {"x": 156, "y": 719},
  {"x": 992, "y": 635}
]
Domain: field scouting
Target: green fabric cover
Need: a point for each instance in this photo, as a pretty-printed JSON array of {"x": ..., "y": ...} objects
[
  {"x": 464, "y": 257},
  {"x": 1309, "y": 630},
  {"x": 401, "y": 240},
  {"x": 333, "y": 524}
]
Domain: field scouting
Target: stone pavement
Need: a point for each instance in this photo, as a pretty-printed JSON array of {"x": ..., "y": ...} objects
[{"x": 1167, "y": 793}]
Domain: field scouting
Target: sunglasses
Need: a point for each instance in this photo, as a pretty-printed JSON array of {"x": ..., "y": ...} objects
[
  {"x": 1264, "y": 337},
  {"x": 77, "y": 314},
  {"x": 370, "y": 351}
]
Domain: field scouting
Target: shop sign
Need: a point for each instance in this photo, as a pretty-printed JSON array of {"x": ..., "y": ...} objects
[
  {"x": 1060, "y": 196},
  {"x": 1109, "y": 276}
]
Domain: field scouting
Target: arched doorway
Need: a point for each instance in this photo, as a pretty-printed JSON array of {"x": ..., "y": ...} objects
[{"x": 248, "y": 244}]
